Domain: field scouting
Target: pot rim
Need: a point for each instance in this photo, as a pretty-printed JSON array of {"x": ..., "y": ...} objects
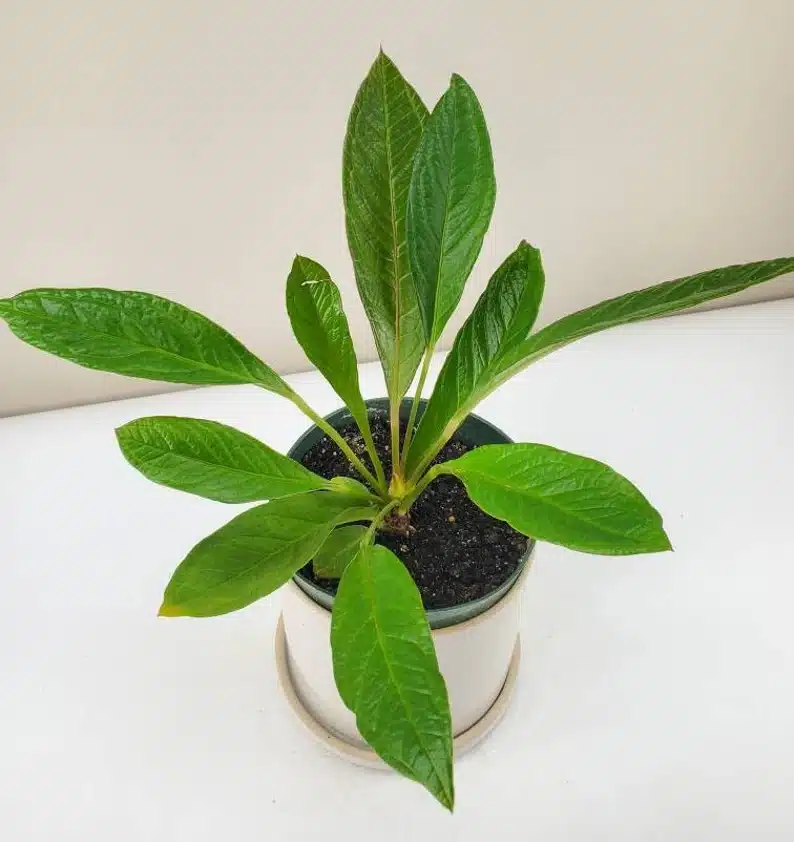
[
  {"x": 480, "y": 431},
  {"x": 470, "y": 622}
]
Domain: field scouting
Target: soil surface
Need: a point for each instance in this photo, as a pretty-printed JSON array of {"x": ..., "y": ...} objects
[{"x": 454, "y": 551}]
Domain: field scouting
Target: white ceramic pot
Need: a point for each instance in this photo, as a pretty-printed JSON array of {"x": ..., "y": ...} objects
[
  {"x": 477, "y": 643},
  {"x": 474, "y": 657}
]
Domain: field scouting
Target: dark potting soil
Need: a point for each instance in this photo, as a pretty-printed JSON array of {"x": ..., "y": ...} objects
[{"x": 454, "y": 551}]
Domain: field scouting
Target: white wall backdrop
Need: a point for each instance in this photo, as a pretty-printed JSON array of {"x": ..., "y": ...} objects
[{"x": 192, "y": 148}]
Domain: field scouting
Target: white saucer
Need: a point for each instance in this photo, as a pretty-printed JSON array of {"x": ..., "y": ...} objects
[{"x": 363, "y": 756}]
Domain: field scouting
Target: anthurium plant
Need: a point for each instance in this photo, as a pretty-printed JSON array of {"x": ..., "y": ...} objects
[{"x": 419, "y": 191}]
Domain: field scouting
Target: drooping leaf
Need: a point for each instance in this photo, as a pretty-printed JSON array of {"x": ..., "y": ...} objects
[
  {"x": 135, "y": 334},
  {"x": 383, "y": 132},
  {"x": 450, "y": 203},
  {"x": 555, "y": 496},
  {"x": 502, "y": 318},
  {"x": 320, "y": 325},
  {"x": 338, "y": 551},
  {"x": 659, "y": 300},
  {"x": 212, "y": 460},
  {"x": 387, "y": 673},
  {"x": 256, "y": 553}
]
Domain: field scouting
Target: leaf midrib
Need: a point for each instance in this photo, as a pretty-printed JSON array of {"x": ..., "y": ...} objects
[
  {"x": 285, "y": 545},
  {"x": 396, "y": 366},
  {"x": 192, "y": 459},
  {"x": 442, "y": 241},
  {"x": 396, "y": 684},
  {"x": 151, "y": 348},
  {"x": 535, "y": 499}
]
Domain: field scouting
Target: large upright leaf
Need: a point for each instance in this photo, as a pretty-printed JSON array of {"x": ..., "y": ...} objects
[
  {"x": 502, "y": 318},
  {"x": 450, "y": 203},
  {"x": 383, "y": 133},
  {"x": 136, "y": 334},
  {"x": 256, "y": 553},
  {"x": 320, "y": 325},
  {"x": 212, "y": 460},
  {"x": 659, "y": 300},
  {"x": 387, "y": 673},
  {"x": 560, "y": 497}
]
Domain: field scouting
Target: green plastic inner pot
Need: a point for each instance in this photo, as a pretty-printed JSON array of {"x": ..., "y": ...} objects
[{"x": 474, "y": 431}]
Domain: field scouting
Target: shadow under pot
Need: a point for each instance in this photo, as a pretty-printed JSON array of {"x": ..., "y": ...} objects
[{"x": 469, "y": 569}]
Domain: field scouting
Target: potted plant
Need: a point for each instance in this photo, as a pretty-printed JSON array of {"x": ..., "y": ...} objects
[{"x": 396, "y": 483}]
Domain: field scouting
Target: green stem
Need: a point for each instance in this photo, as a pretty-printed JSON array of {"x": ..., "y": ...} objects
[
  {"x": 366, "y": 431},
  {"x": 410, "y": 498},
  {"x": 394, "y": 424},
  {"x": 409, "y": 432},
  {"x": 339, "y": 441},
  {"x": 378, "y": 520},
  {"x": 435, "y": 448}
]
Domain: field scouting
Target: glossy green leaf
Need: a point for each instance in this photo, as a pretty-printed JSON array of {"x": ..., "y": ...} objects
[
  {"x": 352, "y": 487},
  {"x": 135, "y": 334},
  {"x": 338, "y": 551},
  {"x": 501, "y": 319},
  {"x": 387, "y": 673},
  {"x": 320, "y": 325},
  {"x": 383, "y": 132},
  {"x": 256, "y": 553},
  {"x": 555, "y": 496},
  {"x": 444, "y": 414},
  {"x": 450, "y": 203},
  {"x": 212, "y": 460},
  {"x": 659, "y": 300}
]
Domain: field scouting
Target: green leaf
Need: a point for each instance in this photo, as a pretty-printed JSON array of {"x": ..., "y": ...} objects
[
  {"x": 387, "y": 673},
  {"x": 450, "y": 203},
  {"x": 443, "y": 415},
  {"x": 352, "y": 487},
  {"x": 320, "y": 325},
  {"x": 338, "y": 551},
  {"x": 501, "y": 319},
  {"x": 554, "y": 496},
  {"x": 383, "y": 132},
  {"x": 659, "y": 300},
  {"x": 135, "y": 334},
  {"x": 212, "y": 460},
  {"x": 256, "y": 553}
]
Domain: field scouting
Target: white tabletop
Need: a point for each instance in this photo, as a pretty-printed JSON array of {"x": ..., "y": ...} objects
[{"x": 656, "y": 695}]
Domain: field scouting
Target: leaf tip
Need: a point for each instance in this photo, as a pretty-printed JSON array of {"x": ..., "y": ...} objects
[
  {"x": 660, "y": 543},
  {"x": 382, "y": 60},
  {"x": 168, "y": 610},
  {"x": 447, "y": 799},
  {"x": 457, "y": 81},
  {"x": 525, "y": 247},
  {"x": 5, "y": 306},
  {"x": 124, "y": 434}
]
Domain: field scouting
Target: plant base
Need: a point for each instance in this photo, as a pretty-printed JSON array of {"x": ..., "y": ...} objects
[{"x": 365, "y": 756}]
